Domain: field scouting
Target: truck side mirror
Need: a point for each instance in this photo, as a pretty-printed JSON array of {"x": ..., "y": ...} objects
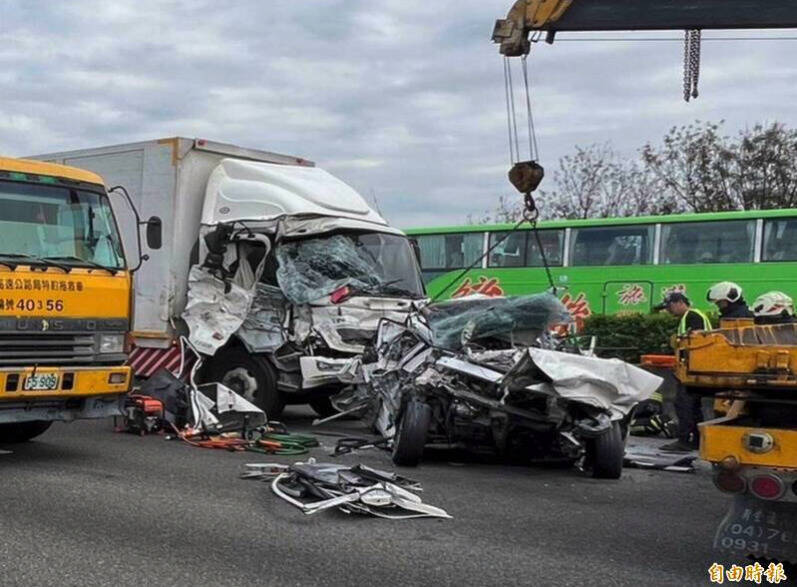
[{"x": 154, "y": 233}]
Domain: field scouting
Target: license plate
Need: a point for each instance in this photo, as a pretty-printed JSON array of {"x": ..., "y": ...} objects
[
  {"x": 40, "y": 382},
  {"x": 759, "y": 528}
]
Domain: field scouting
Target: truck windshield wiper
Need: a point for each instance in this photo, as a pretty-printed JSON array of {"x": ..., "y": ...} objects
[
  {"x": 402, "y": 291},
  {"x": 23, "y": 257},
  {"x": 72, "y": 258},
  {"x": 387, "y": 288}
]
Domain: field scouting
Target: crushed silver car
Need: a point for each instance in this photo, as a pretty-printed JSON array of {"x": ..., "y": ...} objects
[{"x": 485, "y": 373}]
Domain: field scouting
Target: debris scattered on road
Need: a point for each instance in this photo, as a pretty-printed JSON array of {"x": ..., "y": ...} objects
[
  {"x": 212, "y": 416},
  {"x": 313, "y": 487},
  {"x": 347, "y": 445},
  {"x": 637, "y": 457}
]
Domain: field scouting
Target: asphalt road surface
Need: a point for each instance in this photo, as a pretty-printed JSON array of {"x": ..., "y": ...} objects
[{"x": 83, "y": 505}]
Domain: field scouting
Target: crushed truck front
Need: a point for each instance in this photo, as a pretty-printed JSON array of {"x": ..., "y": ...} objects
[{"x": 65, "y": 299}]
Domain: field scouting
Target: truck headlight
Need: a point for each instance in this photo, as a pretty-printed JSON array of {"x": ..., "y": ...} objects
[{"x": 112, "y": 343}]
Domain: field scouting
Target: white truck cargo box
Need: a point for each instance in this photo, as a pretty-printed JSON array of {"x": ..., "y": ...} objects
[{"x": 166, "y": 178}]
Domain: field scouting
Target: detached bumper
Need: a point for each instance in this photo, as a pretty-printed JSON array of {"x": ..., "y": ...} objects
[
  {"x": 66, "y": 410},
  {"x": 317, "y": 371}
]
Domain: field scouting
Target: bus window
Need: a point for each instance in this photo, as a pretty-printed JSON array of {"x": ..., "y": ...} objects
[
  {"x": 450, "y": 251},
  {"x": 621, "y": 245},
  {"x": 511, "y": 252},
  {"x": 691, "y": 243},
  {"x": 780, "y": 240},
  {"x": 552, "y": 243}
]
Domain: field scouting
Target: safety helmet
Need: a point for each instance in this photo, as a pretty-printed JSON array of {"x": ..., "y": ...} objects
[
  {"x": 724, "y": 290},
  {"x": 773, "y": 303}
]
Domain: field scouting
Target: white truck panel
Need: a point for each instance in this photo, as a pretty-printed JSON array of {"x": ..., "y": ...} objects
[{"x": 165, "y": 178}]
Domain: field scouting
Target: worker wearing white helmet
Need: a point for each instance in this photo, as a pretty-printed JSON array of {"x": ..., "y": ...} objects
[
  {"x": 773, "y": 307},
  {"x": 729, "y": 298}
]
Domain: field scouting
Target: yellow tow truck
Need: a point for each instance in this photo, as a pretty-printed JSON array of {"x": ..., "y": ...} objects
[
  {"x": 65, "y": 299},
  {"x": 751, "y": 370}
]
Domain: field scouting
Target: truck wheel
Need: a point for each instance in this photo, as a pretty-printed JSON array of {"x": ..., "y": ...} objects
[
  {"x": 605, "y": 454},
  {"x": 249, "y": 376},
  {"x": 323, "y": 406},
  {"x": 411, "y": 434},
  {"x": 22, "y": 431}
]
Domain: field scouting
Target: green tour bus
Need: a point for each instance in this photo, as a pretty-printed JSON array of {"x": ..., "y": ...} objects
[{"x": 612, "y": 265}]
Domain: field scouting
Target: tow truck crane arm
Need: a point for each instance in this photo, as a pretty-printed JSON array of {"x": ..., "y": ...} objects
[{"x": 550, "y": 16}]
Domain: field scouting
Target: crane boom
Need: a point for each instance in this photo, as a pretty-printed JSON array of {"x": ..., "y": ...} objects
[{"x": 527, "y": 16}]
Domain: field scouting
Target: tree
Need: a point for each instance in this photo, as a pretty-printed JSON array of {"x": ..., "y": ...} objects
[
  {"x": 596, "y": 183},
  {"x": 592, "y": 183},
  {"x": 764, "y": 174},
  {"x": 508, "y": 210},
  {"x": 695, "y": 169},
  {"x": 708, "y": 172}
]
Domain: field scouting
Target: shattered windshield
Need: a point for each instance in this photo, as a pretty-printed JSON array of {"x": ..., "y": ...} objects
[
  {"x": 375, "y": 263},
  {"x": 58, "y": 223}
]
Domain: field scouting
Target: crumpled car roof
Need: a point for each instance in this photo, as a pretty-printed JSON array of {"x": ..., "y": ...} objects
[{"x": 477, "y": 317}]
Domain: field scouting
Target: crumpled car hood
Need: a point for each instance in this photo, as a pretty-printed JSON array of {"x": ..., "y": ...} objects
[{"x": 468, "y": 319}]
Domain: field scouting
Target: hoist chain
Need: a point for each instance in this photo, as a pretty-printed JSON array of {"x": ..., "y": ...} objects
[
  {"x": 530, "y": 211},
  {"x": 691, "y": 63}
]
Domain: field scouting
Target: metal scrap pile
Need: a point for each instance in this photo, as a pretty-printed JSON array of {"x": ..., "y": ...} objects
[
  {"x": 313, "y": 487},
  {"x": 212, "y": 416},
  {"x": 486, "y": 373}
]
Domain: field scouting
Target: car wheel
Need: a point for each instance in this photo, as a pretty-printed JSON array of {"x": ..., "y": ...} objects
[
  {"x": 411, "y": 433},
  {"x": 605, "y": 454},
  {"x": 22, "y": 431},
  {"x": 249, "y": 376}
]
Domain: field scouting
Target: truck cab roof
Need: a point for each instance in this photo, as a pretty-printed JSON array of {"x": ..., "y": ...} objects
[
  {"x": 251, "y": 190},
  {"x": 29, "y": 166}
]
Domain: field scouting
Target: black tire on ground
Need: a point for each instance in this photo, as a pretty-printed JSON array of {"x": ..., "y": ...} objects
[
  {"x": 249, "y": 376},
  {"x": 411, "y": 433},
  {"x": 605, "y": 454},
  {"x": 323, "y": 406},
  {"x": 22, "y": 431}
]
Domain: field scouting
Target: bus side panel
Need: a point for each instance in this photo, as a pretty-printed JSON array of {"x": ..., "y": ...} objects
[{"x": 618, "y": 289}]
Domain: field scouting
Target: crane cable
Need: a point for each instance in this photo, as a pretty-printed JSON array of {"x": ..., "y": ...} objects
[{"x": 530, "y": 213}]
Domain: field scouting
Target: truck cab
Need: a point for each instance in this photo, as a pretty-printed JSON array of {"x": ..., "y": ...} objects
[
  {"x": 65, "y": 299},
  {"x": 322, "y": 268},
  {"x": 233, "y": 220}
]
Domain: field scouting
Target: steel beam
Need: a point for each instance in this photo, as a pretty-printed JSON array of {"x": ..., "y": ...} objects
[{"x": 617, "y": 15}]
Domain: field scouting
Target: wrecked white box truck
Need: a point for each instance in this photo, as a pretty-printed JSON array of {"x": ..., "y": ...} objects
[{"x": 273, "y": 268}]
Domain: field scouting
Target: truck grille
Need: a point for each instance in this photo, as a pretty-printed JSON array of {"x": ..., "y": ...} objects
[{"x": 33, "y": 348}]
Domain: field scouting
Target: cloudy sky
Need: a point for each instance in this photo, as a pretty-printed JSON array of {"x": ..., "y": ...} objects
[{"x": 403, "y": 99}]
